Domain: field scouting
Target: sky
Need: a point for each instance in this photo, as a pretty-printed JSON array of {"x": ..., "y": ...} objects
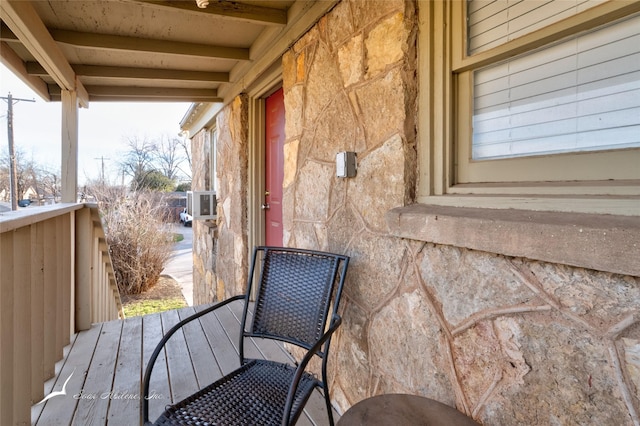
[{"x": 103, "y": 130}]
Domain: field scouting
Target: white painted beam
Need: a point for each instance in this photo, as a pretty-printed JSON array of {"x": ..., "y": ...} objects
[
  {"x": 100, "y": 71},
  {"x": 19, "y": 68},
  {"x": 24, "y": 22},
  {"x": 136, "y": 44},
  {"x": 148, "y": 94}
]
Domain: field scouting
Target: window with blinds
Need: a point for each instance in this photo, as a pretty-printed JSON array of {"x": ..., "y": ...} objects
[
  {"x": 494, "y": 22},
  {"x": 582, "y": 94}
]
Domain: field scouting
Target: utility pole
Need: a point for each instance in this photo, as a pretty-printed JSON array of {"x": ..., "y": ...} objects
[
  {"x": 102, "y": 160},
  {"x": 13, "y": 167}
]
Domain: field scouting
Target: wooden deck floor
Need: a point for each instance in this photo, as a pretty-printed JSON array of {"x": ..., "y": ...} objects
[{"x": 103, "y": 368}]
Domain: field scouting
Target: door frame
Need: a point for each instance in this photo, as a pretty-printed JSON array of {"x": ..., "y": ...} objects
[{"x": 271, "y": 82}]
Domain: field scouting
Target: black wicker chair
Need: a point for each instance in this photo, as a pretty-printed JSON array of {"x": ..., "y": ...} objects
[{"x": 297, "y": 298}]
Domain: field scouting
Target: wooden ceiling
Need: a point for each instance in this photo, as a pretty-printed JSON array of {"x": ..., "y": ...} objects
[{"x": 145, "y": 50}]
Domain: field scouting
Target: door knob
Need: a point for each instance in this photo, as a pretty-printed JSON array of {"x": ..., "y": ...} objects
[{"x": 265, "y": 206}]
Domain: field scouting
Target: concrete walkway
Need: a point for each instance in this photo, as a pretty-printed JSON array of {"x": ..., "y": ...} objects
[{"x": 180, "y": 265}]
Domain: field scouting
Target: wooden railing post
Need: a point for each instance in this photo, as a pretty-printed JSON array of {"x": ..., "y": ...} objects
[
  {"x": 37, "y": 311},
  {"x": 6, "y": 328},
  {"x": 84, "y": 269}
]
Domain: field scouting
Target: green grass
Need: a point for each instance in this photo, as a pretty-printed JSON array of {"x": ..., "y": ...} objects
[
  {"x": 144, "y": 307},
  {"x": 177, "y": 238}
]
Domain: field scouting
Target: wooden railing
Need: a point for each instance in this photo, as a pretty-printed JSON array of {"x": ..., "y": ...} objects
[{"x": 56, "y": 278}]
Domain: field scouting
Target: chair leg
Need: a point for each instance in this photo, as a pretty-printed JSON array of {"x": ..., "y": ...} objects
[{"x": 327, "y": 401}]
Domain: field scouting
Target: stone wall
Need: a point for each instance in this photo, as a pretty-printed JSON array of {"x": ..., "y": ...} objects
[
  {"x": 507, "y": 340},
  {"x": 220, "y": 249},
  {"x": 232, "y": 254},
  {"x": 203, "y": 232}
]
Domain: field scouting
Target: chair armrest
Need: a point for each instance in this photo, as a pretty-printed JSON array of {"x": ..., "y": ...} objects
[
  {"x": 335, "y": 323},
  {"x": 144, "y": 406}
]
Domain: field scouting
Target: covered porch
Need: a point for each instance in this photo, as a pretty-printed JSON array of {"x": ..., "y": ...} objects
[
  {"x": 104, "y": 365},
  {"x": 509, "y": 295},
  {"x": 77, "y": 53}
]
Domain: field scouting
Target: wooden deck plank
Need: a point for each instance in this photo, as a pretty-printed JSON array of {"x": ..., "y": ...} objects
[
  {"x": 125, "y": 394},
  {"x": 36, "y": 410},
  {"x": 95, "y": 395},
  {"x": 109, "y": 360},
  {"x": 183, "y": 378},
  {"x": 231, "y": 321},
  {"x": 204, "y": 362},
  {"x": 60, "y": 410},
  {"x": 315, "y": 411},
  {"x": 224, "y": 350},
  {"x": 159, "y": 391}
]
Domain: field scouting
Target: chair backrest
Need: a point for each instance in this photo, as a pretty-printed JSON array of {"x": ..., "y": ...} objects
[{"x": 298, "y": 293}]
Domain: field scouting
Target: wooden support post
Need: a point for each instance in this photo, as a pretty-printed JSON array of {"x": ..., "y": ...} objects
[{"x": 69, "y": 147}]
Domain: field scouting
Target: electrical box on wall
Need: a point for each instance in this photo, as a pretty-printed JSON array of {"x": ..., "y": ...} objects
[
  {"x": 204, "y": 205},
  {"x": 346, "y": 164}
]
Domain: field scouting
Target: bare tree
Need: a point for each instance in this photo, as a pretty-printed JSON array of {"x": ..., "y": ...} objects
[
  {"x": 4, "y": 180},
  {"x": 168, "y": 156},
  {"x": 138, "y": 160},
  {"x": 29, "y": 174},
  {"x": 185, "y": 143},
  {"x": 149, "y": 160},
  {"x": 26, "y": 172},
  {"x": 49, "y": 183}
]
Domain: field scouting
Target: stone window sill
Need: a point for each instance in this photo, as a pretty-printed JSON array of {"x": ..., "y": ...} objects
[{"x": 595, "y": 241}]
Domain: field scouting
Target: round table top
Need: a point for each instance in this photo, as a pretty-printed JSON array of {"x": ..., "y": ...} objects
[{"x": 401, "y": 409}]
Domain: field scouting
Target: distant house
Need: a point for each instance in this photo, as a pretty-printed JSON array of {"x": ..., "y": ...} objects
[
  {"x": 30, "y": 194},
  {"x": 175, "y": 202}
]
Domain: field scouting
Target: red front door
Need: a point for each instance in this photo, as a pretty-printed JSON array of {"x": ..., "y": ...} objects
[{"x": 274, "y": 168}]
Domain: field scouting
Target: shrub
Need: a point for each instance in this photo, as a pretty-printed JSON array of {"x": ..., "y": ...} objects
[{"x": 138, "y": 243}]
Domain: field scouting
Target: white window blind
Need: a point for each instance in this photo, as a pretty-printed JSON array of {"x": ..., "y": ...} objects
[
  {"x": 494, "y": 22},
  {"x": 580, "y": 95}
]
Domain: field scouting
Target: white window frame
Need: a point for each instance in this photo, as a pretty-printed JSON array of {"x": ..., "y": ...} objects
[
  {"x": 449, "y": 177},
  {"x": 213, "y": 158}
]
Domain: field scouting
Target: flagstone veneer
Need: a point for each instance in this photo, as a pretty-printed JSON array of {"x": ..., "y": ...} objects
[{"x": 505, "y": 339}]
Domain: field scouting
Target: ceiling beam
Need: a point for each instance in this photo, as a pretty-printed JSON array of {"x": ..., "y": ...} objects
[
  {"x": 244, "y": 12},
  {"x": 24, "y": 22},
  {"x": 150, "y": 94},
  {"x": 35, "y": 69},
  {"x": 15, "y": 64},
  {"x": 135, "y": 44},
  {"x": 6, "y": 34}
]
